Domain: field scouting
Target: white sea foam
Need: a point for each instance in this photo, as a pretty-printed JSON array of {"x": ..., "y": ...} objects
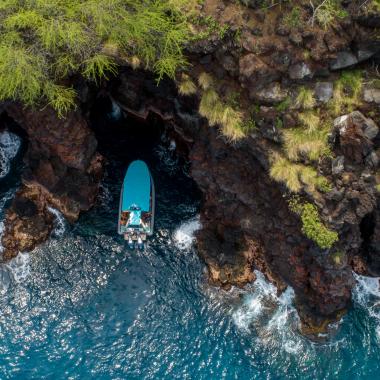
[
  {"x": 60, "y": 224},
  {"x": 367, "y": 294},
  {"x": 9, "y": 146},
  {"x": 184, "y": 234},
  {"x": 19, "y": 267},
  {"x": 273, "y": 318}
]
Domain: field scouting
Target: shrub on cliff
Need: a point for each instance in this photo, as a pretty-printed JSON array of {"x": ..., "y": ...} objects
[
  {"x": 186, "y": 86},
  {"x": 44, "y": 42},
  {"x": 305, "y": 98},
  {"x": 219, "y": 112},
  {"x": 297, "y": 176},
  {"x": 347, "y": 91},
  {"x": 312, "y": 225}
]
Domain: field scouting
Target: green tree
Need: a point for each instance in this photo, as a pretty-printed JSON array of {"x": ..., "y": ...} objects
[{"x": 44, "y": 42}]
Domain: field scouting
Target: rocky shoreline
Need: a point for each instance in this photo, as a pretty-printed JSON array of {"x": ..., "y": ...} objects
[{"x": 246, "y": 220}]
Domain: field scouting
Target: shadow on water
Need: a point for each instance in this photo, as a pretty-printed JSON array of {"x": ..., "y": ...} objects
[{"x": 126, "y": 138}]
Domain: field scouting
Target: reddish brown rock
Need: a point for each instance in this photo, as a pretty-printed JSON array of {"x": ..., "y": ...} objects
[
  {"x": 63, "y": 170},
  {"x": 27, "y": 222}
]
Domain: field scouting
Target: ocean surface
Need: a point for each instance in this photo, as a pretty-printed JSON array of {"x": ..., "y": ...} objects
[{"x": 83, "y": 306}]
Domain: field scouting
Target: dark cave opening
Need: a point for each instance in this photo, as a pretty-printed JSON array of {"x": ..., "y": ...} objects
[
  {"x": 123, "y": 138},
  {"x": 367, "y": 227}
]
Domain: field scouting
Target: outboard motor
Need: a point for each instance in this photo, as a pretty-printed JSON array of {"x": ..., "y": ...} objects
[
  {"x": 130, "y": 243},
  {"x": 140, "y": 244}
]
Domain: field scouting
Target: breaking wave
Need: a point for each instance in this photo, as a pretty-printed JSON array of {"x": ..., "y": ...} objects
[
  {"x": 272, "y": 318},
  {"x": 184, "y": 235},
  {"x": 60, "y": 224},
  {"x": 9, "y": 146},
  {"x": 19, "y": 267},
  {"x": 367, "y": 295}
]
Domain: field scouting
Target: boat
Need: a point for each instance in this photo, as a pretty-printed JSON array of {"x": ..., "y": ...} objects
[{"x": 137, "y": 205}]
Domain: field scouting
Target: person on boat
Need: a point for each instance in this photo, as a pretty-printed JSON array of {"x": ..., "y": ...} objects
[{"x": 136, "y": 218}]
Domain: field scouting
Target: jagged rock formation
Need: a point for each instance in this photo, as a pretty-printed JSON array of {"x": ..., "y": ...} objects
[
  {"x": 246, "y": 219},
  {"x": 63, "y": 170}
]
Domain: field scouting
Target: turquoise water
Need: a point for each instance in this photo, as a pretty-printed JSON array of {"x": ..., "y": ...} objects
[{"x": 83, "y": 306}]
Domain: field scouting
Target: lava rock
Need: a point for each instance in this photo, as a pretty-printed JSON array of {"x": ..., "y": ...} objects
[
  {"x": 296, "y": 38},
  {"x": 367, "y": 49},
  {"x": 270, "y": 94},
  {"x": 24, "y": 207},
  {"x": 324, "y": 91},
  {"x": 372, "y": 95},
  {"x": 337, "y": 165},
  {"x": 356, "y": 132},
  {"x": 372, "y": 160},
  {"x": 343, "y": 60},
  {"x": 300, "y": 71}
]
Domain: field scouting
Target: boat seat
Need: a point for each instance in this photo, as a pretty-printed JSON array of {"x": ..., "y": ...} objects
[{"x": 124, "y": 218}]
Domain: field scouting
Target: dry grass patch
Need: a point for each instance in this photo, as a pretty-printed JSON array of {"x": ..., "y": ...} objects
[
  {"x": 310, "y": 120},
  {"x": 205, "y": 81},
  {"x": 305, "y": 98},
  {"x": 299, "y": 144},
  {"x": 347, "y": 92},
  {"x": 296, "y": 176},
  {"x": 186, "y": 86}
]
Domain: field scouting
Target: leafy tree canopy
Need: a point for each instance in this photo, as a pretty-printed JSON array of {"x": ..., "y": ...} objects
[{"x": 43, "y": 42}]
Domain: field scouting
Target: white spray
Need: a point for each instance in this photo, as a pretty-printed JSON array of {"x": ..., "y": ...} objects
[{"x": 60, "y": 225}]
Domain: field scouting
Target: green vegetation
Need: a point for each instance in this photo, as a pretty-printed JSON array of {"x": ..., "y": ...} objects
[
  {"x": 43, "y": 42},
  {"x": 310, "y": 120},
  {"x": 347, "y": 90},
  {"x": 233, "y": 99},
  {"x": 213, "y": 26},
  {"x": 212, "y": 108},
  {"x": 293, "y": 19},
  {"x": 312, "y": 225},
  {"x": 218, "y": 112},
  {"x": 284, "y": 105},
  {"x": 302, "y": 146},
  {"x": 338, "y": 257},
  {"x": 279, "y": 123},
  {"x": 305, "y": 98},
  {"x": 249, "y": 126},
  {"x": 296, "y": 176},
  {"x": 186, "y": 86},
  {"x": 205, "y": 81},
  {"x": 300, "y": 143},
  {"x": 328, "y": 11}
]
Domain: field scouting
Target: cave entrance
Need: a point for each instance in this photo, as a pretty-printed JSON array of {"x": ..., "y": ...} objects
[{"x": 122, "y": 138}]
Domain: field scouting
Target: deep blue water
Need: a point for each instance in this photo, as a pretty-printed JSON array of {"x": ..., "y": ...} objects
[{"x": 83, "y": 306}]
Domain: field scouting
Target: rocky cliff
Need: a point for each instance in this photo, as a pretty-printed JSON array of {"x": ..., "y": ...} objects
[{"x": 280, "y": 70}]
